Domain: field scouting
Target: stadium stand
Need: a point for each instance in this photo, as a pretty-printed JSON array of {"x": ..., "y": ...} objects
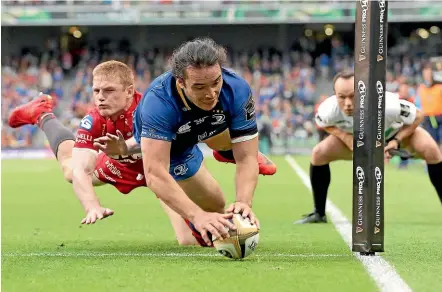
[{"x": 287, "y": 84}]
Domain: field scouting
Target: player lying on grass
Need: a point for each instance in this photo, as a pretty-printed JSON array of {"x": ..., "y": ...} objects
[
  {"x": 335, "y": 115},
  {"x": 198, "y": 101}
]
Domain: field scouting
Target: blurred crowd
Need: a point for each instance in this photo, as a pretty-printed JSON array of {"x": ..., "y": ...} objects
[
  {"x": 138, "y": 2},
  {"x": 287, "y": 86}
]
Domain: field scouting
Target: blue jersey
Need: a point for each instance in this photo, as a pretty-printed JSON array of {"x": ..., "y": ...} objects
[{"x": 165, "y": 113}]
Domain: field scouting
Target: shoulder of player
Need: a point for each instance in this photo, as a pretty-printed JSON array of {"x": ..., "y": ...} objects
[
  {"x": 95, "y": 116},
  {"x": 92, "y": 123},
  {"x": 329, "y": 105},
  {"x": 161, "y": 93},
  {"x": 233, "y": 81},
  {"x": 391, "y": 99},
  {"x": 235, "y": 89},
  {"x": 161, "y": 87}
]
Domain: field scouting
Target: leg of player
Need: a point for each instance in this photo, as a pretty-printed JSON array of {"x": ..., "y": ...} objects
[
  {"x": 182, "y": 231},
  {"x": 328, "y": 150},
  {"x": 61, "y": 139},
  {"x": 204, "y": 190},
  {"x": 426, "y": 148},
  {"x": 266, "y": 166}
]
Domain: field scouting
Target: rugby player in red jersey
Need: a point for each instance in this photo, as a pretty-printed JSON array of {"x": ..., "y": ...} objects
[{"x": 82, "y": 164}]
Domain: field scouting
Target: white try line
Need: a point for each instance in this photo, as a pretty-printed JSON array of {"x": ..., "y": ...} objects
[
  {"x": 161, "y": 255},
  {"x": 385, "y": 276}
]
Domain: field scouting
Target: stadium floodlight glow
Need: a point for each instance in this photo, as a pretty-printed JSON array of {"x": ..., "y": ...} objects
[
  {"x": 77, "y": 34},
  {"x": 329, "y": 31},
  {"x": 423, "y": 33},
  {"x": 434, "y": 29}
]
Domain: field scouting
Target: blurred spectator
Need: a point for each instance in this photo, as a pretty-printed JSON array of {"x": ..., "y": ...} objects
[
  {"x": 429, "y": 96},
  {"x": 287, "y": 86}
]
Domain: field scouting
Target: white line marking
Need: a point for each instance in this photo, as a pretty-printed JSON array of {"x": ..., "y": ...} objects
[
  {"x": 159, "y": 255},
  {"x": 385, "y": 276}
]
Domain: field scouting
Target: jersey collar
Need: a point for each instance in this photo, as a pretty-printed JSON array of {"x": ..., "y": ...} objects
[{"x": 182, "y": 96}]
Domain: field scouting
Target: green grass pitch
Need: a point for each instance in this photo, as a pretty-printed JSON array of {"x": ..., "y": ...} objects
[{"x": 44, "y": 247}]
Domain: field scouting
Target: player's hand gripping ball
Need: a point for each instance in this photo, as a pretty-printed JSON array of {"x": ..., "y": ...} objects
[{"x": 242, "y": 241}]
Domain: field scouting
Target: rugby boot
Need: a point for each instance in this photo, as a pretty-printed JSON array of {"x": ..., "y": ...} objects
[
  {"x": 266, "y": 166},
  {"x": 30, "y": 112},
  {"x": 197, "y": 234},
  {"x": 312, "y": 218}
]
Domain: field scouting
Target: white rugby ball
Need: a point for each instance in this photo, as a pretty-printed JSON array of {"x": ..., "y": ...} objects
[{"x": 242, "y": 241}]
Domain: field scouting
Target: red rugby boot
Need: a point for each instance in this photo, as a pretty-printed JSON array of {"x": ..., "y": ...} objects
[
  {"x": 30, "y": 112},
  {"x": 266, "y": 166}
]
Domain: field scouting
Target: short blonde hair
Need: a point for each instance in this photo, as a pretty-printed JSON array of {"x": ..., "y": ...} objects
[{"x": 115, "y": 69}]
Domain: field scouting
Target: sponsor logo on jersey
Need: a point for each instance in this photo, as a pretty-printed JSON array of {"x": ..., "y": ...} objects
[
  {"x": 106, "y": 176},
  {"x": 151, "y": 133},
  {"x": 113, "y": 169},
  {"x": 85, "y": 137},
  {"x": 86, "y": 123},
  {"x": 184, "y": 128},
  {"x": 405, "y": 110},
  {"x": 250, "y": 108},
  {"x": 218, "y": 119},
  {"x": 202, "y": 137},
  {"x": 200, "y": 120},
  {"x": 180, "y": 169}
]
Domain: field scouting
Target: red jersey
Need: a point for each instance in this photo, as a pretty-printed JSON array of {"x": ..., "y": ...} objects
[{"x": 94, "y": 125}]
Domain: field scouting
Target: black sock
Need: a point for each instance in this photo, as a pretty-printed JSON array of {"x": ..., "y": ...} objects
[
  {"x": 435, "y": 173},
  {"x": 55, "y": 131},
  {"x": 228, "y": 154},
  {"x": 320, "y": 179}
]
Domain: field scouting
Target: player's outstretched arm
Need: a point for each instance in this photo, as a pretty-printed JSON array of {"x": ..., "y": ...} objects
[
  {"x": 345, "y": 137},
  {"x": 116, "y": 145},
  {"x": 156, "y": 161},
  {"x": 246, "y": 177},
  {"x": 83, "y": 165}
]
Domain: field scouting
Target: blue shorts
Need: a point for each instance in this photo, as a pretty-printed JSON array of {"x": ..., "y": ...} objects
[{"x": 187, "y": 165}]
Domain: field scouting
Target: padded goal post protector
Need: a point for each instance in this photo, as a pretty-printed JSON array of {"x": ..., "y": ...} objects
[{"x": 369, "y": 138}]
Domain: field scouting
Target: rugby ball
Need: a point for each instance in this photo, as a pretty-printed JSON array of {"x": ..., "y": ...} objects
[{"x": 242, "y": 241}]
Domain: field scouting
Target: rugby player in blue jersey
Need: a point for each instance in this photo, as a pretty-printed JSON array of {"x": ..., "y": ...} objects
[{"x": 197, "y": 101}]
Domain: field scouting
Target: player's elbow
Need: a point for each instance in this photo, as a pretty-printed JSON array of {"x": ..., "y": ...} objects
[{"x": 419, "y": 117}]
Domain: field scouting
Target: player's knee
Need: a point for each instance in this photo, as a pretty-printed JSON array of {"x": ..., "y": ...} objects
[
  {"x": 218, "y": 204},
  {"x": 431, "y": 153},
  {"x": 319, "y": 154},
  {"x": 186, "y": 240}
]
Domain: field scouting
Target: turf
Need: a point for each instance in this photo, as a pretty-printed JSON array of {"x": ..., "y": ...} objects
[{"x": 44, "y": 248}]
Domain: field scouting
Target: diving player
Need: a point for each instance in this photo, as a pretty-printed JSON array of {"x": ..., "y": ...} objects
[
  {"x": 197, "y": 101},
  {"x": 82, "y": 164},
  {"x": 335, "y": 115}
]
